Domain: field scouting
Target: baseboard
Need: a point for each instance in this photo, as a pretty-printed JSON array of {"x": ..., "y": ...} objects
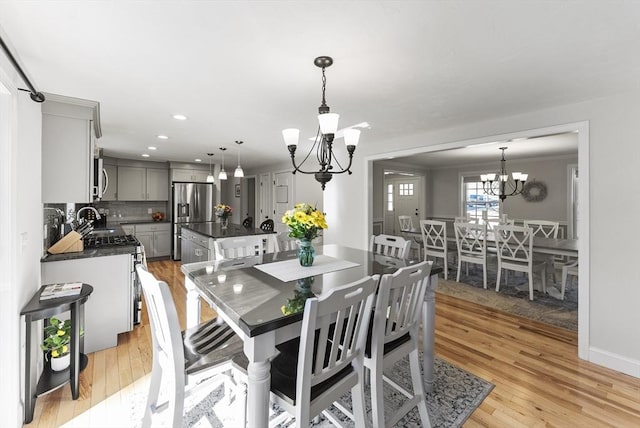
[{"x": 615, "y": 362}]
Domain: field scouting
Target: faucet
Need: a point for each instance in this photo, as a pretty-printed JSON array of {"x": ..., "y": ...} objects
[{"x": 87, "y": 208}]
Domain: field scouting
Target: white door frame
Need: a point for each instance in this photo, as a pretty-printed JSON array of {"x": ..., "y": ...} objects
[{"x": 583, "y": 197}]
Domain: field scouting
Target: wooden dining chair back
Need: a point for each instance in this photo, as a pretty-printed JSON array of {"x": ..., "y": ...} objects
[
  {"x": 434, "y": 241},
  {"x": 514, "y": 247},
  {"x": 393, "y": 335},
  {"x": 285, "y": 242},
  {"x": 209, "y": 354},
  {"x": 328, "y": 362},
  {"x": 471, "y": 243},
  {"x": 239, "y": 246},
  {"x": 389, "y": 245}
]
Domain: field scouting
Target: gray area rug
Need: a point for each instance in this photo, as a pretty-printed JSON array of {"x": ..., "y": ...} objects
[
  {"x": 514, "y": 298},
  {"x": 457, "y": 393}
]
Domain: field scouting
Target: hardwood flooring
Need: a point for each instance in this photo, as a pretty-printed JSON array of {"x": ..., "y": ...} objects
[{"x": 539, "y": 380}]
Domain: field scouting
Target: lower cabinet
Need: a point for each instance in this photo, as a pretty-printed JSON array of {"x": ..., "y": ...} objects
[
  {"x": 155, "y": 237},
  {"x": 108, "y": 311},
  {"x": 196, "y": 247}
]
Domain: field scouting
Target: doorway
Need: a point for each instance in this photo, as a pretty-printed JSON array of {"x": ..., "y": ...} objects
[{"x": 404, "y": 195}]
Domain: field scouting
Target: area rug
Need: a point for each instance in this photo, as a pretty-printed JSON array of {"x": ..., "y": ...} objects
[
  {"x": 514, "y": 298},
  {"x": 457, "y": 393}
]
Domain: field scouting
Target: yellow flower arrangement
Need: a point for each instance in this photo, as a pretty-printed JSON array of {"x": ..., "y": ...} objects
[
  {"x": 57, "y": 337},
  {"x": 304, "y": 221},
  {"x": 222, "y": 210}
]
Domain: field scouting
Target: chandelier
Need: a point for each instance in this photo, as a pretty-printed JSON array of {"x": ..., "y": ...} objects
[
  {"x": 501, "y": 185},
  {"x": 323, "y": 142}
]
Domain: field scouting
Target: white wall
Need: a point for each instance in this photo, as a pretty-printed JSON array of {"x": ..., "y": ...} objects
[
  {"x": 614, "y": 132},
  {"x": 20, "y": 234}
]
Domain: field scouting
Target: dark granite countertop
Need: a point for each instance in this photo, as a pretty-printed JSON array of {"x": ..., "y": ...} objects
[
  {"x": 144, "y": 222},
  {"x": 215, "y": 230},
  {"x": 115, "y": 250}
]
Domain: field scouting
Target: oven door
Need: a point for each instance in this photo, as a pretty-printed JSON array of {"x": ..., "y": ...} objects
[{"x": 138, "y": 258}]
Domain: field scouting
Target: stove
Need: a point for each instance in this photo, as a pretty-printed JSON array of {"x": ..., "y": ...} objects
[{"x": 109, "y": 241}]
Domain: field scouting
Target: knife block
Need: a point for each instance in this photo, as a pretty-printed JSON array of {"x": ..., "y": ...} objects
[{"x": 70, "y": 243}]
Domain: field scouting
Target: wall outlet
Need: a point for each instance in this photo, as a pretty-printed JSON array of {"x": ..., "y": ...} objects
[{"x": 150, "y": 211}]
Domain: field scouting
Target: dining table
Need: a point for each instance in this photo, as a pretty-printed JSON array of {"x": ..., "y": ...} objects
[{"x": 261, "y": 297}]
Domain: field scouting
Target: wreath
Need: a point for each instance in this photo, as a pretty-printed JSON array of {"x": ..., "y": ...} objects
[{"x": 534, "y": 191}]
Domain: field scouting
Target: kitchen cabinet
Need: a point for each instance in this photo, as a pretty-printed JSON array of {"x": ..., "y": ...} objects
[
  {"x": 111, "y": 193},
  {"x": 109, "y": 310},
  {"x": 142, "y": 184},
  {"x": 68, "y": 136},
  {"x": 156, "y": 238},
  {"x": 194, "y": 175},
  {"x": 196, "y": 247}
]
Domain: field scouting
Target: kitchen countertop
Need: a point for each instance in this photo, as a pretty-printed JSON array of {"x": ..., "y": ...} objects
[
  {"x": 113, "y": 250},
  {"x": 215, "y": 230},
  {"x": 142, "y": 222}
]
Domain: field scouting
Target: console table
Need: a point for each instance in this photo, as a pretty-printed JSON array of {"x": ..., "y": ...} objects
[{"x": 49, "y": 380}]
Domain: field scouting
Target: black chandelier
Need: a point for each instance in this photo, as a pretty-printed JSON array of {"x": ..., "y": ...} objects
[
  {"x": 501, "y": 185},
  {"x": 323, "y": 143}
]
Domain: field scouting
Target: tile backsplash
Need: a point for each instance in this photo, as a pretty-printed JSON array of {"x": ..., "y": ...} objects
[{"x": 118, "y": 212}]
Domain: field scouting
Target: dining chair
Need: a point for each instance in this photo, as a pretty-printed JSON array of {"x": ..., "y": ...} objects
[
  {"x": 546, "y": 229},
  {"x": 393, "y": 335},
  {"x": 239, "y": 246},
  {"x": 570, "y": 268},
  {"x": 267, "y": 225},
  {"x": 434, "y": 240},
  {"x": 471, "y": 243},
  {"x": 247, "y": 222},
  {"x": 406, "y": 225},
  {"x": 197, "y": 360},
  {"x": 514, "y": 246},
  {"x": 389, "y": 245},
  {"x": 326, "y": 362},
  {"x": 285, "y": 242}
]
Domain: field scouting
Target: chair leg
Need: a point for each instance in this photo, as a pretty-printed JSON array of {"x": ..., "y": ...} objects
[
  {"x": 564, "y": 282},
  {"x": 459, "y": 269},
  {"x": 357, "y": 402},
  {"x": 484, "y": 276},
  {"x": 530, "y": 285},
  {"x": 418, "y": 388},
  {"x": 154, "y": 393},
  {"x": 446, "y": 267},
  {"x": 498, "y": 279},
  {"x": 377, "y": 394}
]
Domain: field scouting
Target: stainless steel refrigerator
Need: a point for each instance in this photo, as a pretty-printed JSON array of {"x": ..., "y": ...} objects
[{"x": 192, "y": 203}]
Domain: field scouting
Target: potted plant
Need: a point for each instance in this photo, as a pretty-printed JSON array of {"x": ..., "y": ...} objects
[
  {"x": 223, "y": 212},
  {"x": 57, "y": 336}
]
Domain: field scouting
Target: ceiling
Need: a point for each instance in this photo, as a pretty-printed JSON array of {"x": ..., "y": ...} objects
[{"x": 244, "y": 70}]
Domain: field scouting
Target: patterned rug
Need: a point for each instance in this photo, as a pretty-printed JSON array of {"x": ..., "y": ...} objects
[
  {"x": 514, "y": 297},
  {"x": 457, "y": 393}
]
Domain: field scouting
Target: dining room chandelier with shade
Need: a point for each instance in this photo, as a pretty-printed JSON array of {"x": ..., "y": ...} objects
[
  {"x": 501, "y": 184},
  {"x": 323, "y": 142}
]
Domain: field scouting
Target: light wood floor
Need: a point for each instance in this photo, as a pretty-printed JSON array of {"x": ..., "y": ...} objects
[{"x": 539, "y": 380}]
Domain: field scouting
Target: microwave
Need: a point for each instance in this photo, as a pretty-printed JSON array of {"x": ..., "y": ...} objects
[{"x": 100, "y": 179}]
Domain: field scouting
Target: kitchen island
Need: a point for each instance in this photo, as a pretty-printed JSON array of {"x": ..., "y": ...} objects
[
  {"x": 197, "y": 239},
  {"x": 108, "y": 264}
]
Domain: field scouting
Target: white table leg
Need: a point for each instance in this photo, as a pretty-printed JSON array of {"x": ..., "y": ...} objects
[
  {"x": 428, "y": 331},
  {"x": 259, "y": 351},
  {"x": 193, "y": 303}
]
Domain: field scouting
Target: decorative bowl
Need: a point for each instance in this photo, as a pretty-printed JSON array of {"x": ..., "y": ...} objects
[{"x": 157, "y": 216}]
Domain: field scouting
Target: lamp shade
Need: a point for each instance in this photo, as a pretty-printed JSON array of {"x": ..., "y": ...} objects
[
  {"x": 328, "y": 122},
  {"x": 351, "y": 136},
  {"x": 210, "y": 178},
  {"x": 291, "y": 136},
  {"x": 238, "y": 172},
  {"x": 222, "y": 175}
]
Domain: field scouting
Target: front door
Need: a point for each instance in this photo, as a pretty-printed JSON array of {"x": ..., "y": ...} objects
[{"x": 403, "y": 196}]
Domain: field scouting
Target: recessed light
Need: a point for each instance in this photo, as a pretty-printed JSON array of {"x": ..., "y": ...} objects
[
  {"x": 152, "y": 148},
  {"x": 179, "y": 117},
  {"x": 145, "y": 155},
  {"x": 198, "y": 160},
  {"x": 163, "y": 137}
]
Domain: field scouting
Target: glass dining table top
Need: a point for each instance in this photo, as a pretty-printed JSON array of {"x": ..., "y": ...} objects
[{"x": 259, "y": 302}]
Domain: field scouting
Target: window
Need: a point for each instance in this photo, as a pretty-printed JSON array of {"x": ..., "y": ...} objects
[
  {"x": 405, "y": 189},
  {"x": 476, "y": 201},
  {"x": 389, "y": 197}
]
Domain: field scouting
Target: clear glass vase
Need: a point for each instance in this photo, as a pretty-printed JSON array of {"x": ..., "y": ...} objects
[
  {"x": 306, "y": 252},
  {"x": 224, "y": 222}
]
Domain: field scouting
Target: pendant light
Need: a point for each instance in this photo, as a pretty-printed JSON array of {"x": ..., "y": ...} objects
[
  {"x": 239, "y": 173},
  {"x": 223, "y": 174},
  {"x": 210, "y": 178}
]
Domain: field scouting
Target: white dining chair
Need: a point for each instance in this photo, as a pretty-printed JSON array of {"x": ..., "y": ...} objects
[
  {"x": 240, "y": 246},
  {"x": 389, "y": 245},
  {"x": 406, "y": 226},
  {"x": 326, "y": 362},
  {"x": 434, "y": 241},
  {"x": 197, "y": 360},
  {"x": 472, "y": 247},
  {"x": 546, "y": 229},
  {"x": 570, "y": 269},
  {"x": 394, "y": 334},
  {"x": 514, "y": 246},
  {"x": 286, "y": 243}
]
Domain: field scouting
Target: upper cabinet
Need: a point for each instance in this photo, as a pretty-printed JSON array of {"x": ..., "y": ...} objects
[
  {"x": 142, "y": 184},
  {"x": 183, "y": 174},
  {"x": 69, "y": 128}
]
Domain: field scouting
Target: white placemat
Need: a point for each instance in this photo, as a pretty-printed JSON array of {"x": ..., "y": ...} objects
[{"x": 288, "y": 270}]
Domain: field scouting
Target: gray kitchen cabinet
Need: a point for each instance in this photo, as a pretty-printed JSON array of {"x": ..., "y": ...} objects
[
  {"x": 193, "y": 175},
  {"x": 108, "y": 311},
  {"x": 196, "y": 247},
  {"x": 155, "y": 237},
  {"x": 111, "y": 193},
  {"x": 67, "y": 149},
  {"x": 142, "y": 184}
]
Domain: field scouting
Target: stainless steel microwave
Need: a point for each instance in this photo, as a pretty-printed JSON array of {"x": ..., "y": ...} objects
[{"x": 100, "y": 179}]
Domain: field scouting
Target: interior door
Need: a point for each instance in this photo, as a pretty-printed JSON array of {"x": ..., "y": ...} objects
[
  {"x": 406, "y": 196},
  {"x": 282, "y": 197},
  {"x": 265, "y": 198}
]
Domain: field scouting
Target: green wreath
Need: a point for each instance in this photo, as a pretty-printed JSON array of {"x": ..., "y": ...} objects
[{"x": 534, "y": 191}]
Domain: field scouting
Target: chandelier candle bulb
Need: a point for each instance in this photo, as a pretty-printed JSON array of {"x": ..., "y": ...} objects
[{"x": 328, "y": 123}]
